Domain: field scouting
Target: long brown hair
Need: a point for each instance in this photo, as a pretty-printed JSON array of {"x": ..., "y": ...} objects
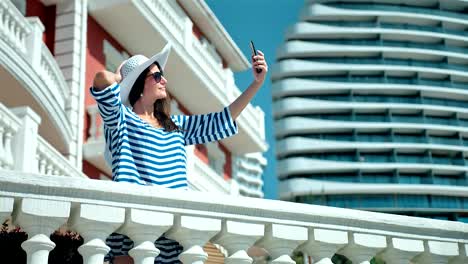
[{"x": 161, "y": 107}]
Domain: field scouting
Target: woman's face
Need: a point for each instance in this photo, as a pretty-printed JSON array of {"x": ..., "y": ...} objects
[{"x": 155, "y": 84}]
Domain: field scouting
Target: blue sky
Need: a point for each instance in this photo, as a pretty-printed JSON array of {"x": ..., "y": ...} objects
[{"x": 264, "y": 22}]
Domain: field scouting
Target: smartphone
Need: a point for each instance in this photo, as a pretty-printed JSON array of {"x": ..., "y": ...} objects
[{"x": 254, "y": 52}]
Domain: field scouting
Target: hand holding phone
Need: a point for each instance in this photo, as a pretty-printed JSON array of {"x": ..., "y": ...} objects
[{"x": 254, "y": 53}]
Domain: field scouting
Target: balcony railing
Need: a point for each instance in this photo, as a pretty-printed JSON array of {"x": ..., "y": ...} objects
[
  {"x": 23, "y": 149},
  {"x": 29, "y": 60},
  {"x": 96, "y": 208}
]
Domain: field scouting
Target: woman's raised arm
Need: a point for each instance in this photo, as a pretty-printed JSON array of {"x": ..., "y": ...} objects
[{"x": 258, "y": 62}]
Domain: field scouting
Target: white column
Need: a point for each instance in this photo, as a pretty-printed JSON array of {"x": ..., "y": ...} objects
[
  {"x": 281, "y": 240},
  {"x": 401, "y": 251},
  {"x": 70, "y": 53},
  {"x": 362, "y": 248},
  {"x": 193, "y": 233},
  {"x": 25, "y": 140},
  {"x": 436, "y": 252},
  {"x": 323, "y": 244},
  {"x": 237, "y": 238},
  {"x": 462, "y": 258},
  {"x": 95, "y": 223},
  {"x": 144, "y": 227},
  {"x": 39, "y": 218}
]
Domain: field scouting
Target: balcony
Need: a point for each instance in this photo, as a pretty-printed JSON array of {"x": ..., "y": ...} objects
[
  {"x": 194, "y": 70},
  {"x": 29, "y": 69},
  {"x": 96, "y": 208},
  {"x": 22, "y": 149}
]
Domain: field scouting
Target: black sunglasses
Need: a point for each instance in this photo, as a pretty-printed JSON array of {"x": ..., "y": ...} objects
[{"x": 156, "y": 75}]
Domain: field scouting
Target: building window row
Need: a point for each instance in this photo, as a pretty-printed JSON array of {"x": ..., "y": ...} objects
[
  {"x": 388, "y": 177},
  {"x": 371, "y": 201},
  {"x": 406, "y": 7}
]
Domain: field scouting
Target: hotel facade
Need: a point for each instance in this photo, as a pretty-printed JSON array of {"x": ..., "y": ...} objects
[{"x": 370, "y": 103}]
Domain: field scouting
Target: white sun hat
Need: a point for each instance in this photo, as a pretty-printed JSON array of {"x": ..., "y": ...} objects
[{"x": 135, "y": 65}]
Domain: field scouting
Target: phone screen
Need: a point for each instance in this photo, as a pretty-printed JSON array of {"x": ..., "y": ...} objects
[{"x": 252, "y": 48}]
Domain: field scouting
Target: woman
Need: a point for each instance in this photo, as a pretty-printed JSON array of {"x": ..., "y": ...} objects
[{"x": 144, "y": 143}]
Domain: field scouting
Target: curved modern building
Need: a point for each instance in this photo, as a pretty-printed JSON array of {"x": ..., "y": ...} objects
[{"x": 371, "y": 107}]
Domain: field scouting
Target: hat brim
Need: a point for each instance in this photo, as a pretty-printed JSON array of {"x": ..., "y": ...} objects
[{"x": 127, "y": 83}]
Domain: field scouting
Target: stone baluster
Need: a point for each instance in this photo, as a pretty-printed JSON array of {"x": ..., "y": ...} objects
[
  {"x": 6, "y": 208},
  {"x": 237, "y": 238},
  {"x": 462, "y": 258},
  {"x": 436, "y": 252},
  {"x": 39, "y": 218},
  {"x": 323, "y": 244},
  {"x": 281, "y": 240},
  {"x": 95, "y": 223},
  {"x": 193, "y": 233},
  {"x": 362, "y": 248},
  {"x": 401, "y": 251},
  {"x": 144, "y": 227},
  {"x": 26, "y": 140}
]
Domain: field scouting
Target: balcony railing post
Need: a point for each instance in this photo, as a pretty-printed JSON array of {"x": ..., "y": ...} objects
[
  {"x": 193, "y": 233},
  {"x": 363, "y": 247},
  {"x": 95, "y": 223},
  {"x": 34, "y": 42},
  {"x": 26, "y": 140},
  {"x": 31, "y": 218},
  {"x": 281, "y": 240},
  {"x": 401, "y": 250},
  {"x": 323, "y": 244},
  {"x": 436, "y": 252},
  {"x": 237, "y": 238},
  {"x": 144, "y": 227},
  {"x": 462, "y": 258}
]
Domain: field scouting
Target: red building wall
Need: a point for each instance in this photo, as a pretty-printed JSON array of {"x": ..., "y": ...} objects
[{"x": 47, "y": 16}]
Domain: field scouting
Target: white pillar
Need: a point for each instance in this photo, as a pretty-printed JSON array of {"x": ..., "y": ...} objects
[
  {"x": 323, "y": 244},
  {"x": 281, "y": 240},
  {"x": 401, "y": 251},
  {"x": 144, "y": 227},
  {"x": 34, "y": 42},
  {"x": 25, "y": 140},
  {"x": 39, "y": 218},
  {"x": 95, "y": 223},
  {"x": 436, "y": 252},
  {"x": 193, "y": 233},
  {"x": 362, "y": 248},
  {"x": 237, "y": 238}
]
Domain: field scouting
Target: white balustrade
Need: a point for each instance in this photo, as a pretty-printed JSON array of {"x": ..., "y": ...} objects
[
  {"x": 96, "y": 126},
  {"x": 362, "y": 248},
  {"x": 144, "y": 227},
  {"x": 9, "y": 126},
  {"x": 281, "y": 240},
  {"x": 13, "y": 26},
  {"x": 193, "y": 233},
  {"x": 278, "y": 228},
  {"x": 323, "y": 244},
  {"x": 237, "y": 238},
  {"x": 95, "y": 223},
  {"x": 51, "y": 162},
  {"x": 39, "y": 218}
]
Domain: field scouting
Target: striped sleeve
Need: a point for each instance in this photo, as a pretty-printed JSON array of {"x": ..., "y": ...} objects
[
  {"x": 109, "y": 104},
  {"x": 199, "y": 129}
]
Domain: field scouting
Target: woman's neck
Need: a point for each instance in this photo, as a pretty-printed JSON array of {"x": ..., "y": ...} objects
[{"x": 143, "y": 108}]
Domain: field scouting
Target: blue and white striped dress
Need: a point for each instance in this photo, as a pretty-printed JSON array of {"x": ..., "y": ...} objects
[{"x": 145, "y": 155}]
